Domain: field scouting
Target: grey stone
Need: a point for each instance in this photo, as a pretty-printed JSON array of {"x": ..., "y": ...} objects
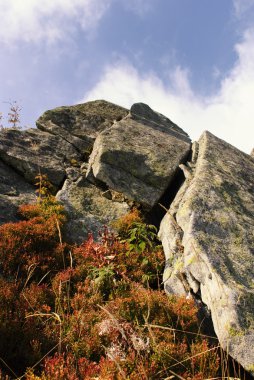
[
  {"x": 80, "y": 124},
  {"x": 208, "y": 239},
  {"x": 32, "y": 151},
  {"x": 88, "y": 209},
  {"x": 72, "y": 173},
  {"x": 139, "y": 158},
  {"x": 144, "y": 114},
  {"x": 59, "y": 148},
  {"x": 14, "y": 191}
]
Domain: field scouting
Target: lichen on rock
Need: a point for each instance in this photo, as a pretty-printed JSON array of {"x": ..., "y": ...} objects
[
  {"x": 215, "y": 212},
  {"x": 139, "y": 155},
  {"x": 102, "y": 159}
]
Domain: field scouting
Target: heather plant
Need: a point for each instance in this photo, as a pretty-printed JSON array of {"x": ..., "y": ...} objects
[
  {"x": 31, "y": 253},
  {"x": 30, "y": 244},
  {"x": 109, "y": 262},
  {"x": 34, "y": 245},
  {"x": 129, "y": 345},
  {"x": 20, "y": 344},
  {"x": 93, "y": 311},
  {"x": 114, "y": 325}
]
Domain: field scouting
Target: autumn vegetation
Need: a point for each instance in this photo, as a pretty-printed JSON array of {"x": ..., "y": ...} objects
[
  {"x": 13, "y": 118},
  {"x": 95, "y": 310}
]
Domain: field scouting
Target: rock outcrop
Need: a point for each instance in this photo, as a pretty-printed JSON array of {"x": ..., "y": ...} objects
[
  {"x": 32, "y": 151},
  {"x": 60, "y": 148},
  {"x": 103, "y": 159},
  {"x": 89, "y": 208},
  {"x": 208, "y": 240},
  {"x": 133, "y": 156},
  {"x": 79, "y": 125},
  {"x": 139, "y": 155}
]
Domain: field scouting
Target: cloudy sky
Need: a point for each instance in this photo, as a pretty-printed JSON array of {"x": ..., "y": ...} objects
[{"x": 192, "y": 60}]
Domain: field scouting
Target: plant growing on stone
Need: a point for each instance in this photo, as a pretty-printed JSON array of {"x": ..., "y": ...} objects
[
  {"x": 136, "y": 233},
  {"x": 125, "y": 223},
  {"x": 14, "y": 115},
  {"x": 97, "y": 317},
  {"x": 141, "y": 237},
  {"x": 47, "y": 206},
  {"x": 44, "y": 186}
]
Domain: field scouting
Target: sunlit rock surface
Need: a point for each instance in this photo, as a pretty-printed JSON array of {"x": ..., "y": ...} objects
[
  {"x": 208, "y": 239},
  {"x": 139, "y": 155}
]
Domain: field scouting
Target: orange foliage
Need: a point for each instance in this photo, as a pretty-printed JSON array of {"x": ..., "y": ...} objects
[
  {"x": 124, "y": 224},
  {"x": 30, "y": 243},
  {"x": 101, "y": 317}
]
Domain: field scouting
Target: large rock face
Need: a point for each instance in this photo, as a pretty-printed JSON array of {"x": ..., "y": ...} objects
[
  {"x": 32, "y": 151},
  {"x": 81, "y": 124},
  {"x": 103, "y": 159},
  {"x": 134, "y": 157},
  {"x": 58, "y": 148},
  {"x": 208, "y": 240},
  {"x": 139, "y": 155}
]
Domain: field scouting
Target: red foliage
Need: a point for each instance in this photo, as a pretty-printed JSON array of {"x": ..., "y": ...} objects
[
  {"x": 30, "y": 243},
  {"x": 104, "y": 315}
]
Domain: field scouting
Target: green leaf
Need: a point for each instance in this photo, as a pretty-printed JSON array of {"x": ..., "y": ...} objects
[{"x": 142, "y": 246}]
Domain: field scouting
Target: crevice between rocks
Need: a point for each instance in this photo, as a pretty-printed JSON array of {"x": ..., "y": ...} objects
[
  {"x": 156, "y": 214},
  {"x": 181, "y": 181}
]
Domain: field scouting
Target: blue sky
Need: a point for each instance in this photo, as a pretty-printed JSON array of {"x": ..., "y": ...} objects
[{"x": 192, "y": 60}]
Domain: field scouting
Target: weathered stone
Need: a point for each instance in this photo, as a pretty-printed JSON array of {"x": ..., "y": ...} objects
[
  {"x": 208, "y": 232},
  {"x": 252, "y": 152},
  {"x": 208, "y": 240},
  {"x": 87, "y": 209},
  {"x": 144, "y": 114},
  {"x": 32, "y": 151},
  {"x": 81, "y": 124},
  {"x": 14, "y": 191},
  {"x": 139, "y": 158},
  {"x": 58, "y": 148}
]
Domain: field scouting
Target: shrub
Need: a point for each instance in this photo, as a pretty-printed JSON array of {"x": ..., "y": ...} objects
[
  {"x": 33, "y": 246},
  {"x": 30, "y": 245},
  {"x": 103, "y": 316},
  {"x": 21, "y": 338},
  {"x": 13, "y": 116},
  {"x": 125, "y": 223}
]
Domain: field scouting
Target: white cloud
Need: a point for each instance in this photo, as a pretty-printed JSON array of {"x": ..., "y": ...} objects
[
  {"x": 242, "y": 6},
  {"x": 179, "y": 79},
  {"x": 47, "y": 20},
  {"x": 140, "y": 7},
  {"x": 229, "y": 113}
]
